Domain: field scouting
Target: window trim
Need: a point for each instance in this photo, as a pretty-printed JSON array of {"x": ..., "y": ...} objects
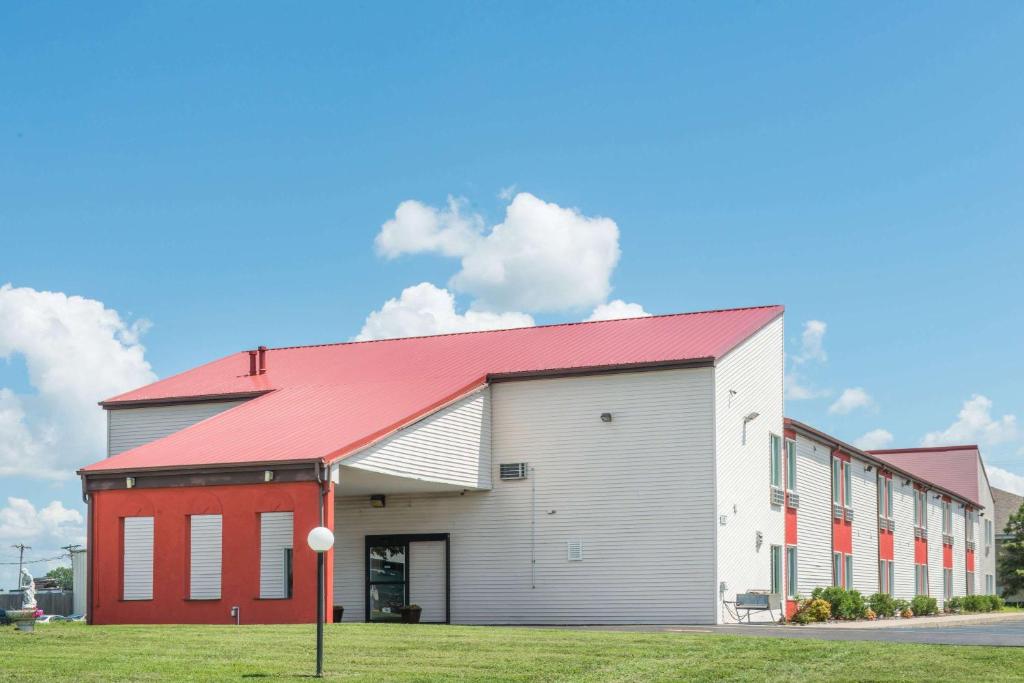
[
  {"x": 837, "y": 569},
  {"x": 790, "y": 454},
  {"x": 848, "y": 571},
  {"x": 792, "y": 571},
  {"x": 837, "y": 478},
  {"x": 775, "y": 462},
  {"x": 776, "y": 569}
]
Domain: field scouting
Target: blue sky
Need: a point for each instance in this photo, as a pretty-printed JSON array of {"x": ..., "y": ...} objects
[{"x": 223, "y": 171}]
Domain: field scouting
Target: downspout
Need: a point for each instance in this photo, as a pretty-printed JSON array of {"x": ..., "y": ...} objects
[{"x": 88, "y": 551}]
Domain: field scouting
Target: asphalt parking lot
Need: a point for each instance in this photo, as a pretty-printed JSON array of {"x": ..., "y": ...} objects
[{"x": 1000, "y": 633}]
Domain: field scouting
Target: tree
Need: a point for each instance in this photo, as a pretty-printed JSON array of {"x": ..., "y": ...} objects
[
  {"x": 1011, "y": 564},
  {"x": 63, "y": 575}
]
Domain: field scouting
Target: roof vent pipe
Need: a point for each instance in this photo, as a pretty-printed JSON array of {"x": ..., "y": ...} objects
[
  {"x": 252, "y": 362},
  {"x": 263, "y": 359}
]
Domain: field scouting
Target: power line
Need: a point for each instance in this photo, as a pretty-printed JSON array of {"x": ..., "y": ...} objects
[
  {"x": 24, "y": 562},
  {"x": 21, "y": 556}
]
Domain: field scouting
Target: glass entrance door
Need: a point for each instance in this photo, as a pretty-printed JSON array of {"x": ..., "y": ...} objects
[{"x": 387, "y": 581}]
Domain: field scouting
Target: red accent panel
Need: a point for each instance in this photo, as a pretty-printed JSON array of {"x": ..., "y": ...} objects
[
  {"x": 886, "y": 542},
  {"x": 947, "y": 556},
  {"x": 842, "y": 531},
  {"x": 920, "y": 551},
  {"x": 170, "y": 508},
  {"x": 790, "y": 526},
  {"x": 970, "y": 560}
]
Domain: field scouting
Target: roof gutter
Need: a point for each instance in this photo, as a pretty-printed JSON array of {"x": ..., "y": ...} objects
[{"x": 176, "y": 400}]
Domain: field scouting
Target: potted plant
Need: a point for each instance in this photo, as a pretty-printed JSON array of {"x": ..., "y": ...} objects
[{"x": 411, "y": 614}]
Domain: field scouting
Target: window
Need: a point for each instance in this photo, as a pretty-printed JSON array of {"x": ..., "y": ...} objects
[
  {"x": 886, "y": 576},
  {"x": 892, "y": 576},
  {"x": 921, "y": 579},
  {"x": 276, "y": 533},
  {"x": 988, "y": 534},
  {"x": 837, "y": 569},
  {"x": 970, "y": 583},
  {"x": 791, "y": 464},
  {"x": 990, "y": 587},
  {"x": 137, "y": 533},
  {"x": 947, "y": 584},
  {"x": 204, "y": 557},
  {"x": 972, "y": 519},
  {"x": 849, "y": 573},
  {"x": 947, "y": 518},
  {"x": 776, "y": 569},
  {"x": 888, "y": 499},
  {"x": 848, "y": 484},
  {"x": 776, "y": 464},
  {"x": 836, "y": 477},
  {"x": 920, "y": 509},
  {"x": 791, "y": 571},
  {"x": 881, "y": 496}
]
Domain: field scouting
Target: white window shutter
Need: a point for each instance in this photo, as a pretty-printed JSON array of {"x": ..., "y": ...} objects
[
  {"x": 205, "y": 557},
  {"x": 276, "y": 532},
  {"x": 138, "y": 558}
]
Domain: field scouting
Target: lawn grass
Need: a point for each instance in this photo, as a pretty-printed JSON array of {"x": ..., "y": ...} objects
[{"x": 394, "y": 652}]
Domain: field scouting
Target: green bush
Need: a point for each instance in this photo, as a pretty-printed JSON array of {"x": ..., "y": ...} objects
[
  {"x": 976, "y": 603},
  {"x": 924, "y": 605},
  {"x": 882, "y": 604},
  {"x": 812, "y": 610},
  {"x": 996, "y": 602},
  {"x": 955, "y": 604},
  {"x": 900, "y": 605},
  {"x": 845, "y": 604}
]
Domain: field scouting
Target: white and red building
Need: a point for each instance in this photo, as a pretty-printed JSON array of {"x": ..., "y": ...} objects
[{"x": 629, "y": 471}]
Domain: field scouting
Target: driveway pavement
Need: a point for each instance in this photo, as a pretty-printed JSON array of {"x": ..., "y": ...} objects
[{"x": 1001, "y": 633}]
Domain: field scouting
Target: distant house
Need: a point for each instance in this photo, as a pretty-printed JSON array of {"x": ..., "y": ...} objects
[{"x": 1006, "y": 504}]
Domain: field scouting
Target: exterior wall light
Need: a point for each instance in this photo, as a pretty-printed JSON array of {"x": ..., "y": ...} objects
[
  {"x": 606, "y": 417},
  {"x": 378, "y": 501},
  {"x": 268, "y": 475},
  {"x": 320, "y": 540},
  {"x": 129, "y": 482},
  {"x": 750, "y": 417}
]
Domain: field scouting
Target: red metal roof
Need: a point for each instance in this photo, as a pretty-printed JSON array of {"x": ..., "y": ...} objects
[
  {"x": 325, "y": 402},
  {"x": 951, "y": 467}
]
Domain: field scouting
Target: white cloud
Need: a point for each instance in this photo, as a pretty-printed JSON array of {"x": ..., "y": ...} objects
[
  {"x": 796, "y": 390},
  {"x": 617, "y": 310},
  {"x": 77, "y": 352},
  {"x": 812, "y": 343},
  {"x": 540, "y": 258},
  {"x": 21, "y": 522},
  {"x": 506, "y": 193},
  {"x": 850, "y": 400},
  {"x": 1005, "y": 480},
  {"x": 975, "y": 424},
  {"x": 425, "y": 309},
  {"x": 874, "y": 440},
  {"x": 418, "y": 228}
]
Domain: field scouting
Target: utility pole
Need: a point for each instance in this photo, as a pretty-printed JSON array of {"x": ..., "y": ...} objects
[{"x": 21, "y": 557}]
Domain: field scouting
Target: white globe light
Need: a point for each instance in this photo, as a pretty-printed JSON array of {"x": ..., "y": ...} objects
[{"x": 320, "y": 539}]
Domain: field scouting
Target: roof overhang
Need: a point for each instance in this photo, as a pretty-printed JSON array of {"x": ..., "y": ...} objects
[
  {"x": 179, "y": 400},
  {"x": 211, "y": 475}
]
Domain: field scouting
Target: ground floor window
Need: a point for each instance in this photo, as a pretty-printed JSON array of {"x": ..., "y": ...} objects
[
  {"x": 849, "y": 573},
  {"x": 921, "y": 579},
  {"x": 776, "y": 569},
  {"x": 886, "y": 576},
  {"x": 837, "y": 569},
  {"x": 406, "y": 569},
  {"x": 791, "y": 571},
  {"x": 990, "y": 587},
  {"x": 947, "y": 583},
  {"x": 970, "y": 583}
]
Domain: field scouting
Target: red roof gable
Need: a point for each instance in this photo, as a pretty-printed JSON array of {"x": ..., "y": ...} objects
[
  {"x": 951, "y": 467},
  {"x": 325, "y": 402}
]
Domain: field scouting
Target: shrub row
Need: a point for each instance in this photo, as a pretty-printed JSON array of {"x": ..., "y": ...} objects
[
  {"x": 975, "y": 603},
  {"x": 838, "y": 603}
]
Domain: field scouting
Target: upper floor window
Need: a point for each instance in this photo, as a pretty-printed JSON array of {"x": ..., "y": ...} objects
[
  {"x": 885, "y": 497},
  {"x": 920, "y": 508},
  {"x": 947, "y": 517},
  {"x": 842, "y": 483},
  {"x": 972, "y": 519},
  {"x": 988, "y": 534},
  {"x": 790, "y": 465},
  {"x": 776, "y": 464}
]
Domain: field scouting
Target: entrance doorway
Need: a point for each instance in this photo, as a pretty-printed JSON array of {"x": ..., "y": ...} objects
[{"x": 409, "y": 569}]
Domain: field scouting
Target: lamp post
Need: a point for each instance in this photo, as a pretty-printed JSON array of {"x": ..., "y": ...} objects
[{"x": 320, "y": 539}]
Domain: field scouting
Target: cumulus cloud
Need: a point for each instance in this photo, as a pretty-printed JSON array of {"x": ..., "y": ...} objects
[
  {"x": 617, "y": 310},
  {"x": 21, "y": 521},
  {"x": 426, "y": 309},
  {"x": 874, "y": 440},
  {"x": 812, "y": 345},
  {"x": 850, "y": 400},
  {"x": 975, "y": 424},
  {"x": 541, "y": 258},
  {"x": 797, "y": 390},
  {"x": 77, "y": 352},
  {"x": 1005, "y": 480}
]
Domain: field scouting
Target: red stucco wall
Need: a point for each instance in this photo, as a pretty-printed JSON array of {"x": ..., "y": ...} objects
[{"x": 240, "y": 583}]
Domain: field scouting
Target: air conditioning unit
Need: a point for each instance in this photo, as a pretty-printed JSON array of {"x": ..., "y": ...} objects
[
  {"x": 512, "y": 470},
  {"x": 778, "y": 496},
  {"x": 793, "y": 500},
  {"x": 837, "y": 510},
  {"x": 892, "y": 524},
  {"x": 849, "y": 514}
]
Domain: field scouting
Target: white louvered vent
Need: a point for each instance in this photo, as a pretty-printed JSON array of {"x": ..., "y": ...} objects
[
  {"x": 138, "y": 558},
  {"x": 205, "y": 557},
  {"x": 574, "y": 548},
  {"x": 512, "y": 470},
  {"x": 276, "y": 531}
]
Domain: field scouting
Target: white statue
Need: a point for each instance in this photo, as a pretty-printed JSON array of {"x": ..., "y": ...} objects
[{"x": 28, "y": 588}]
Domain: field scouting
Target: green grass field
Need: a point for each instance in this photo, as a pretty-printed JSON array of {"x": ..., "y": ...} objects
[{"x": 385, "y": 652}]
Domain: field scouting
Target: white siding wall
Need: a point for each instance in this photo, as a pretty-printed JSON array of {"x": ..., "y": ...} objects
[
  {"x": 138, "y": 558},
  {"x": 80, "y": 578},
  {"x": 205, "y": 557},
  {"x": 754, "y": 372},
  {"x": 865, "y": 528},
  {"x": 984, "y": 557},
  {"x": 427, "y": 579},
  {"x": 814, "y": 518},
  {"x": 277, "y": 530},
  {"x": 451, "y": 446},
  {"x": 638, "y": 491},
  {"x": 903, "y": 537},
  {"x": 128, "y": 428},
  {"x": 959, "y": 550},
  {"x": 935, "y": 585}
]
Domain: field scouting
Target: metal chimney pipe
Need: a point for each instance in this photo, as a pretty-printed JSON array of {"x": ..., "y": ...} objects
[
  {"x": 252, "y": 362},
  {"x": 263, "y": 359}
]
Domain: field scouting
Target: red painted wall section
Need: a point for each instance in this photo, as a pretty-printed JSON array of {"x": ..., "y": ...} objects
[
  {"x": 240, "y": 506},
  {"x": 947, "y": 548},
  {"x": 842, "y": 531},
  {"x": 970, "y": 561},
  {"x": 791, "y": 522},
  {"x": 920, "y": 545}
]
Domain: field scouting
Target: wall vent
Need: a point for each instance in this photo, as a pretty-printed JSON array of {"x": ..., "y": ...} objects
[
  {"x": 512, "y": 470},
  {"x": 574, "y": 549}
]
